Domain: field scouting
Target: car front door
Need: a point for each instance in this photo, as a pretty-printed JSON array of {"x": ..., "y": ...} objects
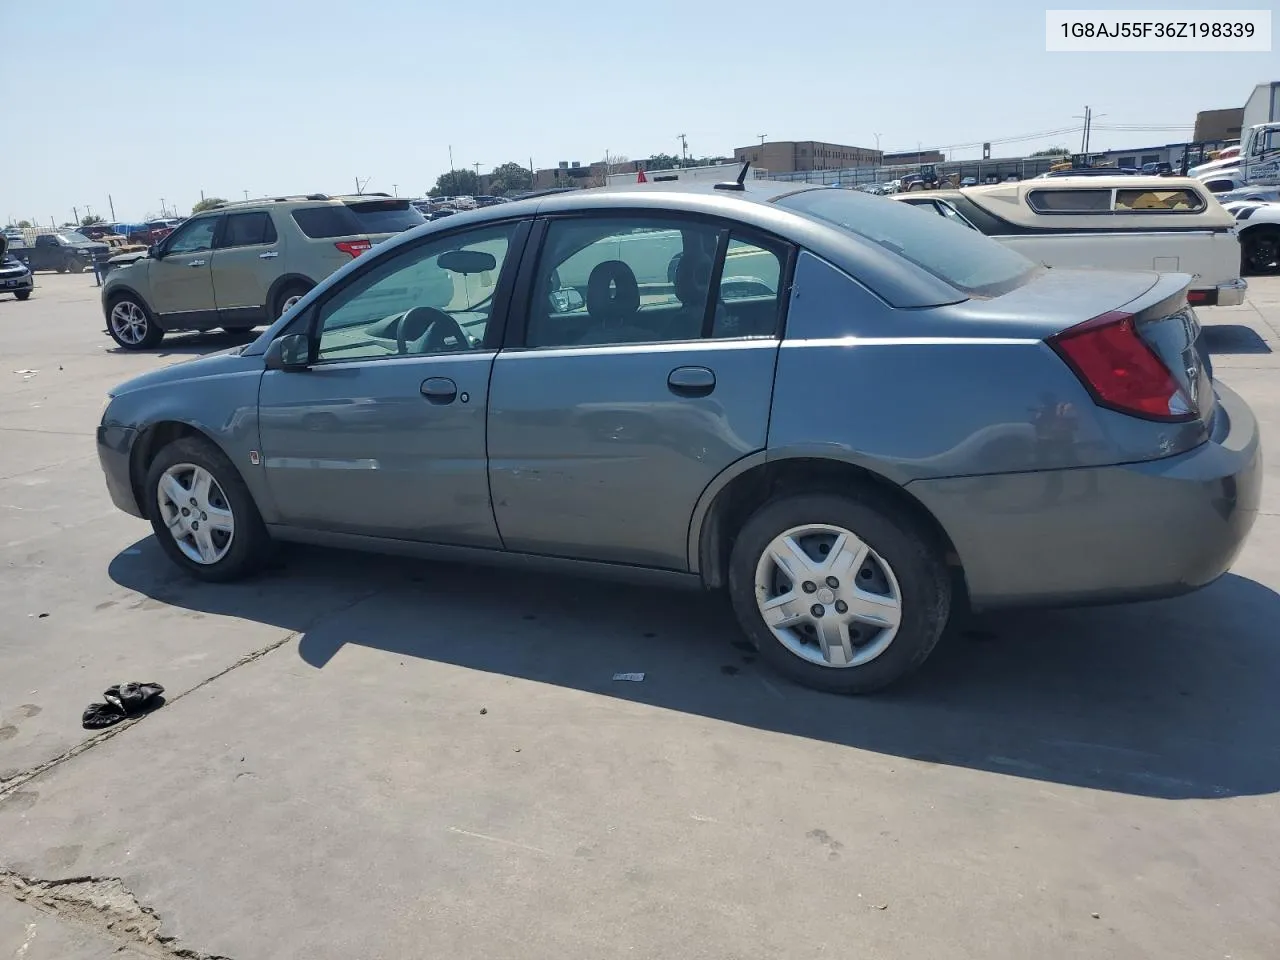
[
  {"x": 384, "y": 434},
  {"x": 245, "y": 262},
  {"x": 631, "y": 384},
  {"x": 181, "y": 278}
]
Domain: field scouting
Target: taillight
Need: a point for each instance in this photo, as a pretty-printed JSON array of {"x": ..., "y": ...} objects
[
  {"x": 353, "y": 248},
  {"x": 1121, "y": 371}
]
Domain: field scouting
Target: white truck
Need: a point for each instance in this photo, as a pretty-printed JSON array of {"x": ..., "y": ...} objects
[
  {"x": 1258, "y": 225},
  {"x": 1256, "y": 165}
]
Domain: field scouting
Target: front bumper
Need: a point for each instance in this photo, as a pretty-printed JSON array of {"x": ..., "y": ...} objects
[
  {"x": 1106, "y": 534},
  {"x": 115, "y": 449},
  {"x": 12, "y": 284}
]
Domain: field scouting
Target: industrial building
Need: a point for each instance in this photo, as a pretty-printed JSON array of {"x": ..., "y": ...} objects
[{"x": 789, "y": 156}]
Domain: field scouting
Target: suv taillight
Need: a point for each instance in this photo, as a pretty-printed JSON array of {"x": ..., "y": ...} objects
[
  {"x": 1121, "y": 371},
  {"x": 353, "y": 248}
]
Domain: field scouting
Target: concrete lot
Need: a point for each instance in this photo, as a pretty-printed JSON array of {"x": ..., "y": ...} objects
[{"x": 369, "y": 758}]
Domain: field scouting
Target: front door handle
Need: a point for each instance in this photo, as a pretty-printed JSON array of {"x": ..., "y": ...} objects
[
  {"x": 439, "y": 390},
  {"x": 197, "y": 263},
  {"x": 691, "y": 381},
  {"x": 269, "y": 255}
]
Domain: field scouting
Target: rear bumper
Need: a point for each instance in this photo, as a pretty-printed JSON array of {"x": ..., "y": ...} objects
[
  {"x": 115, "y": 446},
  {"x": 1106, "y": 534},
  {"x": 1230, "y": 294}
]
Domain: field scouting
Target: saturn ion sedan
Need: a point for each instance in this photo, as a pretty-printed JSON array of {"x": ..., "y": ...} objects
[{"x": 854, "y": 416}]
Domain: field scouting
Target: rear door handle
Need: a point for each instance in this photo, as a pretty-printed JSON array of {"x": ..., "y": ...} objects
[
  {"x": 439, "y": 390},
  {"x": 691, "y": 381},
  {"x": 269, "y": 255},
  {"x": 197, "y": 263}
]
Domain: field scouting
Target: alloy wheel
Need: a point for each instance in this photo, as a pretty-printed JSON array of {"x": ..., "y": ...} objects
[
  {"x": 827, "y": 597},
  {"x": 128, "y": 322},
  {"x": 196, "y": 512}
]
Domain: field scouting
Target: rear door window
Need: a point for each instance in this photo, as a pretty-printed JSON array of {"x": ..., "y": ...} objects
[{"x": 248, "y": 230}]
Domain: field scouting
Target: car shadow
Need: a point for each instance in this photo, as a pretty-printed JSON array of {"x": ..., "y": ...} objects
[
  {"x": 1173, "y": 699},
  {"x": 1227, "y": 338},
  {"x": 193, "y": 344}
]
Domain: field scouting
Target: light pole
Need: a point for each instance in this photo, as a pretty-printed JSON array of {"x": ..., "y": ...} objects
[{"x": 395, "y": 189}]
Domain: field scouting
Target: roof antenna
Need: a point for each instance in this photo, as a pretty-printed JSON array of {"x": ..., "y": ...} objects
[{"x": 739, "y": 183}]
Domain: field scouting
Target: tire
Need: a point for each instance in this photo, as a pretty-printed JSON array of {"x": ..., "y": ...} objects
[
  {"x": 131, "y": 324},
  {"x": 61, "y": 268},
  {"x": 1260, "y": 250},
  {"x": 23, "y": 295},
  {"x": 903, "y": 562},
  {"x": 74, "y": 266},
  {"x": 291, "y": 292},
  {"x": 234, "y": 554}
]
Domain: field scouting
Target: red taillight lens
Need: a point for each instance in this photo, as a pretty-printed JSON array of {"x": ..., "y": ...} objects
[
  {"x": 1121, "y": 371},
  {"x": 353, "y": 248}
]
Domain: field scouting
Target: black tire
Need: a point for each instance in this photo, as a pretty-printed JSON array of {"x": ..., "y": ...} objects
[
  {"x": 891, "y": 532},
  {"x": 61, "y": 268},
  {"x": 290, "y": 290},
  {"x": 23, "y": 295},
  {"x": 75, "y": 266},
  {"x": 250, "y": 545},
  {"x": 153, "y": 334},
  {"x": 1260, "y": 250}
]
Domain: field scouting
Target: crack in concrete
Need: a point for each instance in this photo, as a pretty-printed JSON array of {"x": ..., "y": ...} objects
[
  {"x": 105, "y": 904},
  {"x": 11, "y": 784}
]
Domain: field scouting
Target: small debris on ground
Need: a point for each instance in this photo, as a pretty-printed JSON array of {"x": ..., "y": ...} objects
[
  {"x": 123, "y": 700},
  {"x": 881, "y": 906},
  {"x": 1096, "y": 916},
  {"x": 26, "y": 373},
  {"x": 633, "y": 677},
  {"x": 483, "y": 711}
]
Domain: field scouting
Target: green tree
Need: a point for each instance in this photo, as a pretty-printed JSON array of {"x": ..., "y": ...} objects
[
  {"x": 206, "y": 204},
  {"x": 509, "y": 178},
  {"x": 456, "y": 183},
  {"x": 661, "y": 161},
  {"x": 90, "y": 220},
  {"x": 24, "y": 224},
  {"x": 1052, "y": 152}
]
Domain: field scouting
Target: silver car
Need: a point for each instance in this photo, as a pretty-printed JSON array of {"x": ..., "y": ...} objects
[{"x": 854, "y": 416}]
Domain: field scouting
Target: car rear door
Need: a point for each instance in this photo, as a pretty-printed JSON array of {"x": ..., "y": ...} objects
[
  {"x": 628, "y": 385},
  {"x": 245, "y": 262}
]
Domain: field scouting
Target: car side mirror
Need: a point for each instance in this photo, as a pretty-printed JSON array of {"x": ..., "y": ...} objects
[
  {"x": 291, "y": 353},
  {"x": 154, "y": 252}
]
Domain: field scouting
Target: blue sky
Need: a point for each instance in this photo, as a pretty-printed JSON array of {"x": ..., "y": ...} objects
[{"x": 151, "y": 99}]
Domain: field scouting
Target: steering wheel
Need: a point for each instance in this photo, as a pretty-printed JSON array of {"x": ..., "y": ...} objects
[{"x": 433, "y": 327}]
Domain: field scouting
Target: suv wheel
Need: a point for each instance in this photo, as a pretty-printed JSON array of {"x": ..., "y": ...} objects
[
  {"x": 288, "y": 297},
  {"x": 202, "y": 512},
  {"x": 844, "y": 594},
  {"x": 131, "y": 325}
]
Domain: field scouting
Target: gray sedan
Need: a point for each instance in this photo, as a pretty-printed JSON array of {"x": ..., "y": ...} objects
[{"x": 854, "y": 416}]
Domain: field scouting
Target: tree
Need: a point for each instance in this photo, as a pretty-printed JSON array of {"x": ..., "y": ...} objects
[
  {"x": 90, "y": 220},
  {"x": 1052, "y": 152},
  {"x": 456, "y": 183},
  {"x": 510, "y": 178},
  {"x": 206, "y": 204},
  {"x": 662, "y": 161},
  {"x": 24, "y": 224}
]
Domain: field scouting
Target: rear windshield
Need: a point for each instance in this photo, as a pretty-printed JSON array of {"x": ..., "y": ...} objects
[
  {"x": 972, "y": 263},
  {"x": 368, "y": 216}
]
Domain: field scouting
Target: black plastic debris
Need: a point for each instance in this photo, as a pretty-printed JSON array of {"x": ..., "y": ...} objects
[{"x": 122, "y": 700}]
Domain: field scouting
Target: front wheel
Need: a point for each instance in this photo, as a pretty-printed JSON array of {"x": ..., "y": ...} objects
[
  {"x": 23, "y": 295},
  {"x": 203, "y": 514},
  {"x": 844, "y": 594},
  {"x": 131, "y": 324}
]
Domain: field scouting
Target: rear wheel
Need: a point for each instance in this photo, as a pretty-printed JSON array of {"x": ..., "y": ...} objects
[
  {"x": 131, "y": 324},
  {"x": 845, "y": 594},
  {"x": 23, "y": 295},
  {"x": 287, "y": 297},
  {"x": 202, "y": 512},
  {"x": 1260, "y": 250}
]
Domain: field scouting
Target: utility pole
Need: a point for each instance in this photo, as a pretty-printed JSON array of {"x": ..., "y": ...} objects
[
  {"x": 684, "y": 149},
  {"x": 162, "y": 206},
  {"x": 477, "y": 166},
  {"x": 762, "y": 136},
  {"x": 246, "y": 195},
  {"x": 112, "y": 204},
  {"x": 395, "y": 189},
  {"x": 76, "y": 213}
]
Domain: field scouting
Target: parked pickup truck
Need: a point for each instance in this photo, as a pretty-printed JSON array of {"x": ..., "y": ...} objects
[
  {"x": 66, "y": 252},
  {"x": 1165, "y": 224}
]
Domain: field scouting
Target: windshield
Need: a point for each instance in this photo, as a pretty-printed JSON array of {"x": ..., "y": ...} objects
[
  {"x": 954, "y": 253},
  {"x": 72, "y": 236}
]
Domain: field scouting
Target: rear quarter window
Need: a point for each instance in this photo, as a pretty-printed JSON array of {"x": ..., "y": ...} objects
[
  {"x": 1070, "y": 201},
  {"x": 323, "y": 223},
  {"x": 386, "y": 216},
  {"x": 1158, "y": 201},
  {"x": 953, "y": 252}
]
